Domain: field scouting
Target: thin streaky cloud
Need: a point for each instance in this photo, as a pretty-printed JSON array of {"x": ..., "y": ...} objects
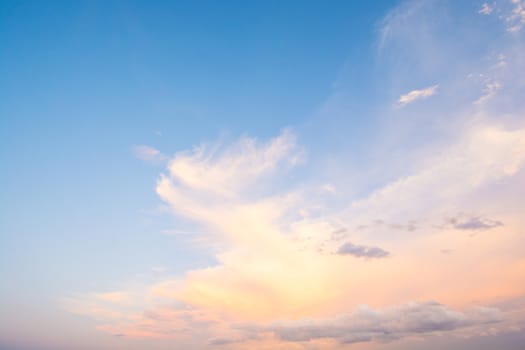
[
  {"x": 148, "y": 153},
  {"x": 489, "y": 91},
  {"x": 396, "y": 19},
  {"x": 415, "y": 95}
]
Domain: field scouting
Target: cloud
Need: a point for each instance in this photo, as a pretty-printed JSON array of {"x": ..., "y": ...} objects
[
  {"x": 513, "y": 15},
  {"x": 226, "y": 171},
  {"x": 268, "y": 263},
  {"x": 328, "y": 189},
  {"x": 474, "y": 223},
  {"x": 272, "y": 236},
  {"x": 148, "y": 154},
  {"x": 486, "y": 9},
  {"x": 516, "y": 19},
  {"x": 482, "y": 155},
  {"x": 396, "y": 322},
  {"x": 362, "y": 251},
  {"x": 415, "y": 95},
  {"x": 396, "y": 19},
  {"x": 489, "y": 91}
]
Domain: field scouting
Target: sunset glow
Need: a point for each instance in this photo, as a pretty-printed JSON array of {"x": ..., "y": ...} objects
[{"x": 263, "y": 175}]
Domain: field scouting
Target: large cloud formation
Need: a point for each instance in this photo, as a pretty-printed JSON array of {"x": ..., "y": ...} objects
[{"x": 300, "y": 263}]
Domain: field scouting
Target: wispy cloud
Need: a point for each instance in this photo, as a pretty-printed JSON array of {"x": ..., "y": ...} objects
[
  {"x": 226, "y": 171},
  {"x": 489, "y": 91},
  {"x": 415, "y": 95},
  {"x": 516, "y": 20},
  {"x": 486, "y": 9},
  {"x": 148, "y": 153},
  {"x": 513, "y": 15}
]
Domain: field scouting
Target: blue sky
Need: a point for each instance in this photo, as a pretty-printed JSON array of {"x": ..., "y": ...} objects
[
  {"x": 85, "y": 81},
  {"x": 160, "y": 157}
]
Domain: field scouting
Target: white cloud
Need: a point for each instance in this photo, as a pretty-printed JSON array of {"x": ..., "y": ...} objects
[
  {"x": 225, "y": 172},
  {"x": 516, "y": 19},
  {"x": 415, "y": 95},
  {"x": 512, "y": 13},
  {"x": 486, "y": 9}
]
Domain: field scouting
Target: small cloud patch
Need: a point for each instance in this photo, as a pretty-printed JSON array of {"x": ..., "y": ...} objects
[
  {"x": 415, "y": 95},
  {"x": 362, "y": 251},
  {"x": 148, "y": 154},
  {"x": 486, "y": 9},
  {"x": 474, "y": 223}
]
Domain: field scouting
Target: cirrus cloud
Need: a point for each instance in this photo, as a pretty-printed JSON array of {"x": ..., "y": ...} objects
[{"x": 416, "y": 95}]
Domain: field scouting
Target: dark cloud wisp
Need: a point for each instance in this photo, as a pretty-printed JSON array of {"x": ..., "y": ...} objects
[{"x": 474, "y": 223}]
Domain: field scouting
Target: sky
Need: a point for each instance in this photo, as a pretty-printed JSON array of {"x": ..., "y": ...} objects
[{"x": 299, "y": 175}]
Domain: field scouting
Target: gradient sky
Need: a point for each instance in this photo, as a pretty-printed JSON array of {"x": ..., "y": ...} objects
[{"x": 239, "y": 175}]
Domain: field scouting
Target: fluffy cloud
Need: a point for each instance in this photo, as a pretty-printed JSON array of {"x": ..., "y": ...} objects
[
  {"x": 231, "y": 170},
  {"x": 271, "y": 260}
]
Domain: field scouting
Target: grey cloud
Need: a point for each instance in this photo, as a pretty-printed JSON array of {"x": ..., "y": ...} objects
[
  {"x": 362, "y": 251},
  {"x": 474, "y": 223},
  {"x": 366, "y": 324},
  {"x": 221, "y": 341}
]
